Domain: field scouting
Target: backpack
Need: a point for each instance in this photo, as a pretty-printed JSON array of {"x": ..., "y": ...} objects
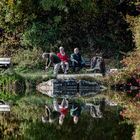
[{"x": 96, "y": 62}]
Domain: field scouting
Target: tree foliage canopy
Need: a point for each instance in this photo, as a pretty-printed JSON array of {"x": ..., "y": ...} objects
[{"x": 96, "y": 24}]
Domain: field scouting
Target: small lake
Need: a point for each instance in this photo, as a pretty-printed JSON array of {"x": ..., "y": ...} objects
[{"x": 24, "y": 120}]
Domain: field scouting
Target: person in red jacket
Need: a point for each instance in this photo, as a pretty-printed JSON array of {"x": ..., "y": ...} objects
[{"x": 64, "y": 60}]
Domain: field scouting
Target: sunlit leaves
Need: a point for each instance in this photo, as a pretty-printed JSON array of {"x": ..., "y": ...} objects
[{"x": 10, "y": 2}]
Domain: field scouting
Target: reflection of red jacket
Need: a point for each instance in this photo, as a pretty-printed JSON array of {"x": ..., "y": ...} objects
[
  {"x": 64, "y": 111},
  {"x": 63, "y": 57}
]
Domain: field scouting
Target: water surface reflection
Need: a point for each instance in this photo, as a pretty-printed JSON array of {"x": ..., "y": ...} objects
[{"x": 25, "y": 120}]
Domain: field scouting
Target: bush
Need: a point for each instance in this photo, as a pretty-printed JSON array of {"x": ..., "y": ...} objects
[
  {"x": 28, "y": 59},
  {"x": 132, "y": 62},
  {"x": 40, "y": 35}
]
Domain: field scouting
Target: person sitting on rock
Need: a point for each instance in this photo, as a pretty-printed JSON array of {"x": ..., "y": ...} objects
[
  {"x": 52, "y": 58},
  {"x": 77, "y": 60},
  {"x": 64, "y": 60},
  {"x": 62, "y": 109}
]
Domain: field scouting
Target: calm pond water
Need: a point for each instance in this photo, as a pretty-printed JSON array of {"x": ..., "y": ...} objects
[{"x": 24, "y": 121}]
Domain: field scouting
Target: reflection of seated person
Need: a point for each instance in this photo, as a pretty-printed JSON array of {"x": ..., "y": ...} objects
[
  {"x": 75, "y": 112},
  {"x": 77, "y": 60},
  {"x": 62, "y": 109},
  {"x": 50, "y": 115},
  {"x": 98, "y": 64}
]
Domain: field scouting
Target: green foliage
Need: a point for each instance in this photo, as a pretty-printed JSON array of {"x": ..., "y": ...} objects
[
  {"x": 29, "y": 59},
  {"x": 80, "y": 23},
  {"x": 11, "y": 82},
  {"x": 25, "y": 122},
  {"x": 135, "y": 27},
  {"x": 40, "y": 35},
  {"x": 137, "y": 132},
  {"x": 130, "y": 113},
  {"x": 48, "y": 4}
]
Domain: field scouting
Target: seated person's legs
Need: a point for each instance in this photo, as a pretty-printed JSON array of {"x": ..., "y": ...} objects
[
  {"x": 63, "y": 66},
  {"x": 66, "y": 67},
  {"x": 80, "y": 65},
  {"x": 56, "y": 69},
  {"x": 64, "y": 103},
  {"x": 74, "y": 65},
  {"x": 55, "y": 105}
]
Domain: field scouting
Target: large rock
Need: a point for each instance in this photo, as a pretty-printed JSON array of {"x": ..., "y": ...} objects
[{"x": 69, "y": 87}]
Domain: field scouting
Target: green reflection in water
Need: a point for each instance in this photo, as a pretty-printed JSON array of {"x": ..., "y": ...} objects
[
  {"x": 27, "y": 107},
  {"x": 24, "y": 121}
]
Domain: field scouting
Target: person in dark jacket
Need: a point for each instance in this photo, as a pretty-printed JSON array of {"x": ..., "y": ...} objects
[{"x": 77, "y": 60}]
